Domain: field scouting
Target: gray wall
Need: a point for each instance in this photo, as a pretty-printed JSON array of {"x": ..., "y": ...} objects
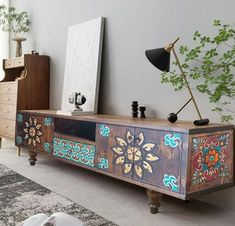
[{"x": 132, "y": 26}]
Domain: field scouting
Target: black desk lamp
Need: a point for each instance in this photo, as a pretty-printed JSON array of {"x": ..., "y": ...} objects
[{"x": 160, "y": 58}]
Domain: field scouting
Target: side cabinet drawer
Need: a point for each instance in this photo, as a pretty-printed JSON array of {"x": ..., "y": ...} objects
[
  {"x": 8, "y": 99},
  {"x": 19, "y": 62},
  {"x": 12, "y": 63},
  {"x": 7, "y": 127},
  {"x": 74, "y": 149},
  {"x": 34, "y": 132},
  {"x": 8, "y": 87},
  {"x": 7, "y": 111},
  {"x": 9, "y": 63}
]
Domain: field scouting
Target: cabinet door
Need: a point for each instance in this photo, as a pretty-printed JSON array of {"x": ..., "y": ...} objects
[
  {"x": 157, "y": 158},
  {"x": 115, "y": 148},
  {"x": 34, "y": 132}
]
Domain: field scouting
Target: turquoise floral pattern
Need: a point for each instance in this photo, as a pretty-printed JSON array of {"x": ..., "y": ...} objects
[
  {"x": 19, "y": 118},
  {"x": 103, "y": 163},
  {"x": 74, "y": 151},
  {"x": 19, "y": 140},
  {"x": 48, "y": 121},
  {"x": 47, "y": 147},
  {"x": 104, "y": 130},
  {"x": 170, "y": 182},
  {"x": 172, "y": 140}
]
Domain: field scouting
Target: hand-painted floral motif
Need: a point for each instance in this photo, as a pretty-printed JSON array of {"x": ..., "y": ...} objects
[
  {"x": 210, "y": 158},
  {"x": 103, "y": 163},
  {"x": 19, "y": 139},
  {"x": 19, "y": 117},
  {"x": 48, "y": 121},
  {"x": 134, "y": 154},
  {"x": 75, "y": 151},
  {"x": 104, "y": 130},
  {"x": 170, "y": 181},
  {"x": 33, "y": 131},
  {"x": 47, "y": 147},
  {"x": 172, "y": 140}
]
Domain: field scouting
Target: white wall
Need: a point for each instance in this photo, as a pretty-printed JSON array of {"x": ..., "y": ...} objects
[
  {"x": 132, "y": 26},
  {"x": 4, "y": 43}
]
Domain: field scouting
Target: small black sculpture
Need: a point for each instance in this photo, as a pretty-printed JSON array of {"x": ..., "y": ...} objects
[
  {"x": 134, "y": 109},
  {"x": 142, "y": 110}
]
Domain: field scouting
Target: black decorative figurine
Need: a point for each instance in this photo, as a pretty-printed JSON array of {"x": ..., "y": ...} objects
[
  {"x": 142, "y": 110},
  {"x": 134, "y": 109}
]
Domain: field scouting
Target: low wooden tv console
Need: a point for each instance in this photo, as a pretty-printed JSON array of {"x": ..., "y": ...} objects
[{"x": 179, "y": 160}]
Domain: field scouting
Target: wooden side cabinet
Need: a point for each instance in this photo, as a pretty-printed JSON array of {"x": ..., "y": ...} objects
[
  {"x": 180, "y": 159},
  {"x": 25, "y": 86}
]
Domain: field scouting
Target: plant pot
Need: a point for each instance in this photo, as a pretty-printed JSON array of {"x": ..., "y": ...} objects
[{"x": 18, "y": 45}]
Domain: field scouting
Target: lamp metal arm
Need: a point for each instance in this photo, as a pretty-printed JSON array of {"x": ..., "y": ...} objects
[{"x": 185, "y": 80}]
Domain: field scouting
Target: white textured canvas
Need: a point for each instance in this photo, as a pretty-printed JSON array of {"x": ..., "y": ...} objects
[{"x": 83, "y": 61}]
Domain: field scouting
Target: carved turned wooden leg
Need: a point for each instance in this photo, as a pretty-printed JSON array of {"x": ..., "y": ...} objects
[
  {"x": 154, "y": 200},
  {"x": 18, "y": 151},
  {"x": 32, "y": 157}
]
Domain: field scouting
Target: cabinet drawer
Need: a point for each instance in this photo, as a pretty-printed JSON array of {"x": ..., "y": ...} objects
[
  {"x": 7, "y": 112},
  {"x": 8, "y": 99},
  {"x": 7, "y": 127},
  {"x": 8, "y": 87},
  {"x": 9, "y": 63},
  {"x": 19, "y": 62}
]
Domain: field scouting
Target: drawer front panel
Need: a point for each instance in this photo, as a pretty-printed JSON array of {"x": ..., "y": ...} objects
[
  {"x": 34, "y": 131},
  {"x": 7, "y": 127},
  {"x": 73, "y": 149},
  {"x": 8, "y": 87},
  {"x": 8, "y": 99},
  {"x": 9, "y": 63},
  {"x": 8, "y": 112},
  {"x": 19, "y": 62}
]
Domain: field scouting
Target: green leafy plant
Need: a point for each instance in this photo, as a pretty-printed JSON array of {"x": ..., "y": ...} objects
[
  {"x": 11, "y": 21},
  {"x": 212, "y": 63}
]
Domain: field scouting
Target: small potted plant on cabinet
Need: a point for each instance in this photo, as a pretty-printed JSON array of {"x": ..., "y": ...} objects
[{"x": 16, "y": 23}]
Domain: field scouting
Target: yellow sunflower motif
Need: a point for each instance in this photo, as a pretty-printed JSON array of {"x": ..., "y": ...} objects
[
  {"x": 133, "y": 154},
  {"x": 33, "y": 132}
]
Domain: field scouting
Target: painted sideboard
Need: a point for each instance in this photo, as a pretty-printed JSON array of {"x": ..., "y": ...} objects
[{"x": 180, "y": 160}]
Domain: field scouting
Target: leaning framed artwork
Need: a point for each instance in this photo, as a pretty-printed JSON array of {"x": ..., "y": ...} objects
[{"x": 82, "y": 68}]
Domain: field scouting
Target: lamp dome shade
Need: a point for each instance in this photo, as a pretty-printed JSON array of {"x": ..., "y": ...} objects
[{"x": 160, "y": 58}]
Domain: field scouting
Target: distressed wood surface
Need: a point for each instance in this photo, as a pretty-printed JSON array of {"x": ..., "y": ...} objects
[
  {"x": 152, "y": 123},
  {"x": 34, "y": 132},
  {"x": 162, "y": 160},
  {"x": 211, "y": 159},
  {"x": 112, "y": 149}
]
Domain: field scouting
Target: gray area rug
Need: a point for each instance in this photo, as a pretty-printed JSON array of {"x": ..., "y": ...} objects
[{"x": 21, "y": 198}]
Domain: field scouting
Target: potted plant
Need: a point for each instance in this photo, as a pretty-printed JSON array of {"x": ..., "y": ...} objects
[
  {"x": 211, "y": 62},
  {"x": 16, "y": 23}
]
